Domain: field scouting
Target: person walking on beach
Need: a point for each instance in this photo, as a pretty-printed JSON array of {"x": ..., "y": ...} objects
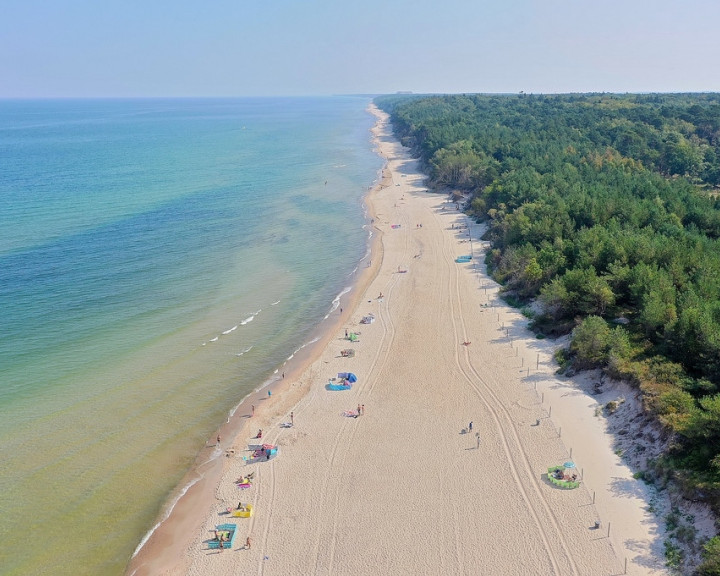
[
  {"x": 477, "y": 437},
  {"x": 247, "y": 543},
  {"x": 292, "y": 418},
  {"x": 218, "y": 440},
  {"x": 470, "y": 426},
  {"x": 363, "y": 409},
  {"x": 253, "y": 410}
]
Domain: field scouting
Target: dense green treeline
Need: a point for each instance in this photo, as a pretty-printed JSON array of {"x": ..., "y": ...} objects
[{"x": 606, "y": 209}]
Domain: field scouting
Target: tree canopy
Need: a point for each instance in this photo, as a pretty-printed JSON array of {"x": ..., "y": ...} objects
[{"x": 606, "y": 209}]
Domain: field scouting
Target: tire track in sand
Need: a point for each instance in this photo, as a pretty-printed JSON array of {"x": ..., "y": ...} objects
[
  {"x": 510, "y": 442},
  {"x": 382, "y": 355}
]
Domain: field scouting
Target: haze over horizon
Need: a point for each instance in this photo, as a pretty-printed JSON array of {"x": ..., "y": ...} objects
[{"x": 77, "y": 48}]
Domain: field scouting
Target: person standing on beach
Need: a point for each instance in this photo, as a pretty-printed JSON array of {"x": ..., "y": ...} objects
[
  {"x": 253, "y": 410},
  {"x": 363, "y": 409},
  {"x": 218, "y": 440},
  {"x": 292, "y": 418},
  {"x": 470, "y": 426},
  {"x": 477, "y": 437}
]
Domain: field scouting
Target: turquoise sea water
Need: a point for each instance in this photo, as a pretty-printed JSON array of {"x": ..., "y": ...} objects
[{"x": 159, "y": 260}]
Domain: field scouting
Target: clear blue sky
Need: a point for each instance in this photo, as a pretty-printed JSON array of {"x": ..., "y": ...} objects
[{"x": 67, "y": 48}]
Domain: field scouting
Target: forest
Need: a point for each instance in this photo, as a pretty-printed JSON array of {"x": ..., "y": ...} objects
[{"x": 603, "y": 210}]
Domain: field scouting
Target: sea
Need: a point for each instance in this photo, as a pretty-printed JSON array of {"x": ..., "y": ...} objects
[{"x": 160, "y": 259}]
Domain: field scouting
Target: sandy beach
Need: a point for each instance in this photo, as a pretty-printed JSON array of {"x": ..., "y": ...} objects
[{"x": 406, "y": 487}]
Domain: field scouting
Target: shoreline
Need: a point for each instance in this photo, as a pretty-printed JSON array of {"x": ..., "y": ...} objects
[
  {"x": 405, "y": 480},
  {"x": 161, "y": 547}
]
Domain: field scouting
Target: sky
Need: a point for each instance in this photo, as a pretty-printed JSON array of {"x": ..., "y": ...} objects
[{"x": 228, "y": 48}]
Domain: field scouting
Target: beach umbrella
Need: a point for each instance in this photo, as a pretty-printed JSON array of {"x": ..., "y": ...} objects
[
  {"x": 569, "y": 464},
  {"x": 351, "y": 377}
]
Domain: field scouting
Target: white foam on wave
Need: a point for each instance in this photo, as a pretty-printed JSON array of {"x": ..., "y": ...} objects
[
  {"x": 336, "y": 301},
  {"x": 250, "y": 318},
  {"x": 311, "y": 342},
  {"x": 214, "y": 339},
  {"x": 168, "y": 511},
  {"x": 274, "y": 303},
  {"x": 231, "y": 330},
  {"x": 266, "y": 383},
  {"x": 244, "y": 351},
  {"x": 305, "y": 345}
]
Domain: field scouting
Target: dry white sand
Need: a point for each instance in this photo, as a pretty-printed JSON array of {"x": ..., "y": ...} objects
[{"x": 400, "y": 489}]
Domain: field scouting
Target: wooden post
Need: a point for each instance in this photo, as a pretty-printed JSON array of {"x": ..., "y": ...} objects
[
  {"x": 522, "y": 361},
  {"x": 560, "y": 432},
  {"x": 608, "y": 530},
  {"x": 538, "y": 361},
  {"x": 625, "y": 571},
  {"x": 593, "y": 496},
  {"x": 570, "y": 453},
  {"x": 550, "y": 412},
  {"x": 542, "y": 398},
  {"x": 528, "y": 370}
]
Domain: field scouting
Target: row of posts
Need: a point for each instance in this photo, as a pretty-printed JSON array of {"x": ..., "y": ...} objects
[{"x": 542, "y": 401}]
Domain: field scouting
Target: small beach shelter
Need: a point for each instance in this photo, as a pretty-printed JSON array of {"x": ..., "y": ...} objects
[
  {"x": 353, "y": 337},
  {"x": 351, "y": 377}
]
